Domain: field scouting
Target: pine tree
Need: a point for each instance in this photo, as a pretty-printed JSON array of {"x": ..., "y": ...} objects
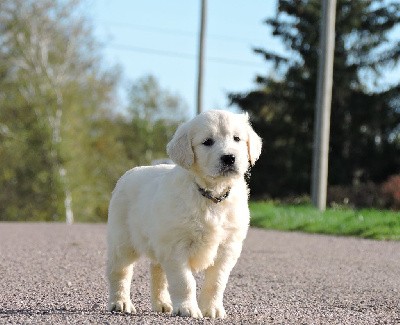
[{"x": 365, "y": 118}]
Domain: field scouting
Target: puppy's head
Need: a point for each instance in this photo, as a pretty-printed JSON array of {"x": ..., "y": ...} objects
[{"x": 216, "y": 144}]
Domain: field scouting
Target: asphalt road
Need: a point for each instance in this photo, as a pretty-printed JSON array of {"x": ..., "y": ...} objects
[{"x": 54, "y": 274}]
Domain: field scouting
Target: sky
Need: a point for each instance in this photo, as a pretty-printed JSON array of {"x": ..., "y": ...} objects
[{"x": 161, "y": 38}]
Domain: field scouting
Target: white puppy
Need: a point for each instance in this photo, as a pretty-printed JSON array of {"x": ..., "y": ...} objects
[{"x": 191, "y": 216}]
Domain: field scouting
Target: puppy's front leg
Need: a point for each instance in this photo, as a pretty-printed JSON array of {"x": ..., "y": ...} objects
[
  {"x": 216, "y": 278},
  {"x": 182, "y": 289}
]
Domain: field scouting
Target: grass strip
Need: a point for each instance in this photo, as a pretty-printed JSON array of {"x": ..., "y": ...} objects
[{"x": 365, "y": 223}]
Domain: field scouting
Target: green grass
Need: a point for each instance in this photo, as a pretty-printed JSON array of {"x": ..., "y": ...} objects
[{"x": 366, "y": 223}]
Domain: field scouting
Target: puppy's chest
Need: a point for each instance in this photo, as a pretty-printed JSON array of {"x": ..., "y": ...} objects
[{"x": 207, "y": 237}]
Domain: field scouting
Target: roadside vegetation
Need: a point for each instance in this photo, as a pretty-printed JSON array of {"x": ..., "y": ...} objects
[{"x": 341, "y": 221}]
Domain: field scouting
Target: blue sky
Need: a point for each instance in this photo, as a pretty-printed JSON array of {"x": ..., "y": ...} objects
[{"x": 161, "y": 38}]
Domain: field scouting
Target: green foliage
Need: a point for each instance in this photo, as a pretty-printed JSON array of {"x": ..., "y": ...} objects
[
  {"x": 62, "y": 147},
  {"x": 93, "y": 157},
  {"x": 153, "y": 116},
  {"x": 28, "y": 189},
  {"x": 32, "y": 55},
  {"x": 365, "y": 138},
  {"x": 366, "y": 223},
  {"x": 53, "y": 92},
  {"x": 149, "y": 102}
]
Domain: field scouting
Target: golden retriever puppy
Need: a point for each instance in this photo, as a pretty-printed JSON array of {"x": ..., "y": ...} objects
[{"x": 188, "y": 217}]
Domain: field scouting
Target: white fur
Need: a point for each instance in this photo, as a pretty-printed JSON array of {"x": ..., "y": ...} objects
[{"x": 159, "y": 212}]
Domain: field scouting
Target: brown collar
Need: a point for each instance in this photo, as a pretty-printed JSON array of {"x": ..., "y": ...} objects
[{"x": 207, "y": 194}]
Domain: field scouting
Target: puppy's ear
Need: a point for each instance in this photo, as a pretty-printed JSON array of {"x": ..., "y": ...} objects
[
  {"x": 179, "y": 149},
  {"x": 254, "y": 143}
]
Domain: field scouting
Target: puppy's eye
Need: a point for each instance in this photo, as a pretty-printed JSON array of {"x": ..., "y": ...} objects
[
  {"x": 209, "y": 142},
  {"x": 236, "y": 138}
]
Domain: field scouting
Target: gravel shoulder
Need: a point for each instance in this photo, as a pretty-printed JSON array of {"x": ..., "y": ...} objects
[{"x": 54, "y": 274}]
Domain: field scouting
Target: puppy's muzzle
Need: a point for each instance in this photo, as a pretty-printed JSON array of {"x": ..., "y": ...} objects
[{"x": 227, "y": 165}]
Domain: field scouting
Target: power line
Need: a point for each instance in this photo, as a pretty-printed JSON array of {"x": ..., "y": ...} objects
[
  {"x": 151, "y": 51},
  {"x": 149, "y": 28},
  {"x": 179, "y": 32},
  {"x": 180, "y": 55}
]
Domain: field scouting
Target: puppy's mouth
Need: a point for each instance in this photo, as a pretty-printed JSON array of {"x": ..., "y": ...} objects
[{"x": 228, "y": 171}]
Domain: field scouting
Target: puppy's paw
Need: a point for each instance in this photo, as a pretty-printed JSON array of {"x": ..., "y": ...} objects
[
  {"x": 214, "y": 311},
  {"x": 162, "y": 307},
  {"x": 187, "y": 310},
  {"x": 122, "y": 305}
]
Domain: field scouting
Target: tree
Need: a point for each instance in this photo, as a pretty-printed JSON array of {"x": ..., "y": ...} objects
[
  {"x": 153, "y": 116},
  {"x": 50, "y": 83},
  {"x": 28, "y": 190},
  {"x": 365, "y": 119}
]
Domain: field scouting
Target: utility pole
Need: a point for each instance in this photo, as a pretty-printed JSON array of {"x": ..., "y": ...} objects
[
  {"x": 201, "y": 57},
  {"x": 323, "y": 105}
]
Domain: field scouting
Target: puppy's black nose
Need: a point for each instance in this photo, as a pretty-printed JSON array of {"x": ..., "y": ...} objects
[{"x": 228, "y": 160}]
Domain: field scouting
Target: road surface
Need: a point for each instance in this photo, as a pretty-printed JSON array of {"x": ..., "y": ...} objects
[{"x": 54, "y": 274}]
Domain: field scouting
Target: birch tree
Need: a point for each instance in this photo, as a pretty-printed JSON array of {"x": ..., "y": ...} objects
[{"x": 45, "y": 46}]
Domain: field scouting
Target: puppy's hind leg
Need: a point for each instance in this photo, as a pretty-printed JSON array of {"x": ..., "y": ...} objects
[
  {"x": 160, "y": 299},
  {"x": 119, "y": 273}
]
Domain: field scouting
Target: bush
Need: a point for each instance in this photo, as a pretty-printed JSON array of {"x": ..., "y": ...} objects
[
  {"x": 391, "y": 190},
  {"x": 365, "y": 195}
]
